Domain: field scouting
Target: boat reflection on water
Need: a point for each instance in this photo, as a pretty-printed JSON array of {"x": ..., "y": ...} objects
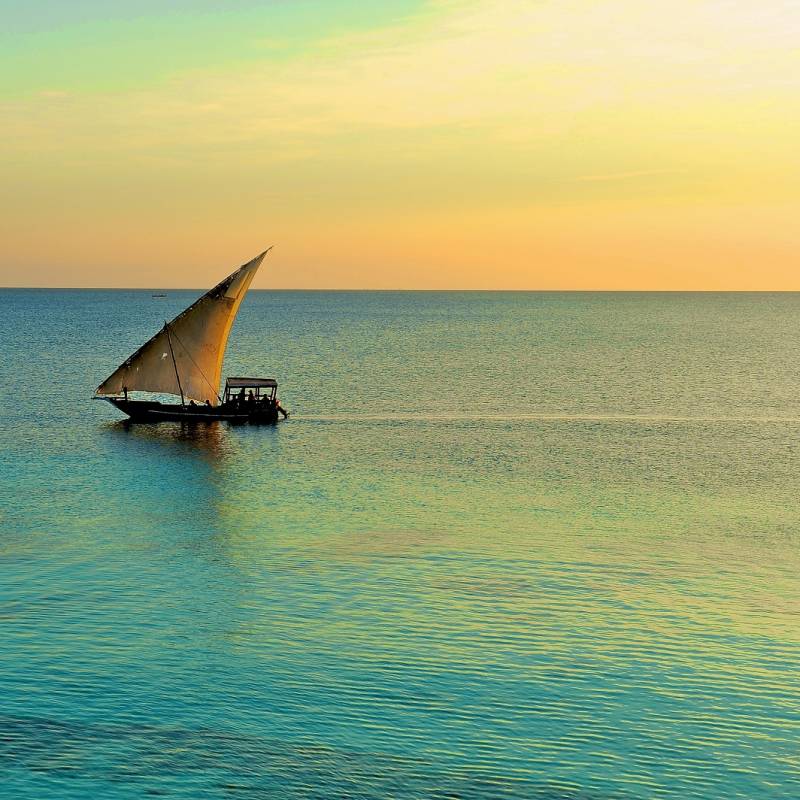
[
  {"x": 208, "y": 439},
  {"x": 215, "y": 488}
]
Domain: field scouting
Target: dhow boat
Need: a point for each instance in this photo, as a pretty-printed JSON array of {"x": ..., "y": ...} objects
[{"x": 184, "y": 359}]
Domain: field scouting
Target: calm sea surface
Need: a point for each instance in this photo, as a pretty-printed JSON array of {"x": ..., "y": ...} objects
[{"x": 508, "y": 545}]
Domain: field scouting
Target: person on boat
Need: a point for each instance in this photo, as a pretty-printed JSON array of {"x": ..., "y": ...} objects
[{"x": 280, "y": 408}]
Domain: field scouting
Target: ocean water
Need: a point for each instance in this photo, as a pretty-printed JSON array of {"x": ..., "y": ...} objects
[{"x": 508, "y": 545}]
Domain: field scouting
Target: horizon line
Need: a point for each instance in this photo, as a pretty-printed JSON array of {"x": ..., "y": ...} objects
[{"x": 400, "y": 289}]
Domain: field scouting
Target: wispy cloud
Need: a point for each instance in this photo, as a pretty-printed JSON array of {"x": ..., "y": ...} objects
[{"x": 621, "y": 176}]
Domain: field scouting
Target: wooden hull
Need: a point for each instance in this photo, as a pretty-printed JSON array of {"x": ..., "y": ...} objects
[{"x": 152, "y": 411}]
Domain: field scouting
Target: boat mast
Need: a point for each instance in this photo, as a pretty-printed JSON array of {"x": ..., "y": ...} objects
[{"x": 174, "y": 364}]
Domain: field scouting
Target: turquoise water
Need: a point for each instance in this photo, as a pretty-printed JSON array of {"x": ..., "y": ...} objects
[{"x": 511, "y": 545}]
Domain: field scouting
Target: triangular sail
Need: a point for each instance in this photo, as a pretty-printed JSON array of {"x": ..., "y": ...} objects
[{"x": 196, "y": 339}]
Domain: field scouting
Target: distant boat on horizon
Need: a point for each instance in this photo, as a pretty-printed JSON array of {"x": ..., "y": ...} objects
[{"x": 185, "y": 359}]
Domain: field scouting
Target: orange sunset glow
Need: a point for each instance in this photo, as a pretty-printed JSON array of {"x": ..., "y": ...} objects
[{"x": 440, "y": 144}]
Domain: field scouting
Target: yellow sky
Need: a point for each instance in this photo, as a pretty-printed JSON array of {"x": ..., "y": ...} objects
[{"x": 447, "y": 144}]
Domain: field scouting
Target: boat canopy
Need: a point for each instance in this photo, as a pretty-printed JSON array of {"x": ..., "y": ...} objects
[
  {"x": 185, "y": 357},
  {"x": 258, "y": 388},
  {"x": 249, "y": 383}
]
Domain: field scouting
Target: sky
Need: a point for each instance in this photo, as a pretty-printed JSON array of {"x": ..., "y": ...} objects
[{"x": 421, "y": 144}]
